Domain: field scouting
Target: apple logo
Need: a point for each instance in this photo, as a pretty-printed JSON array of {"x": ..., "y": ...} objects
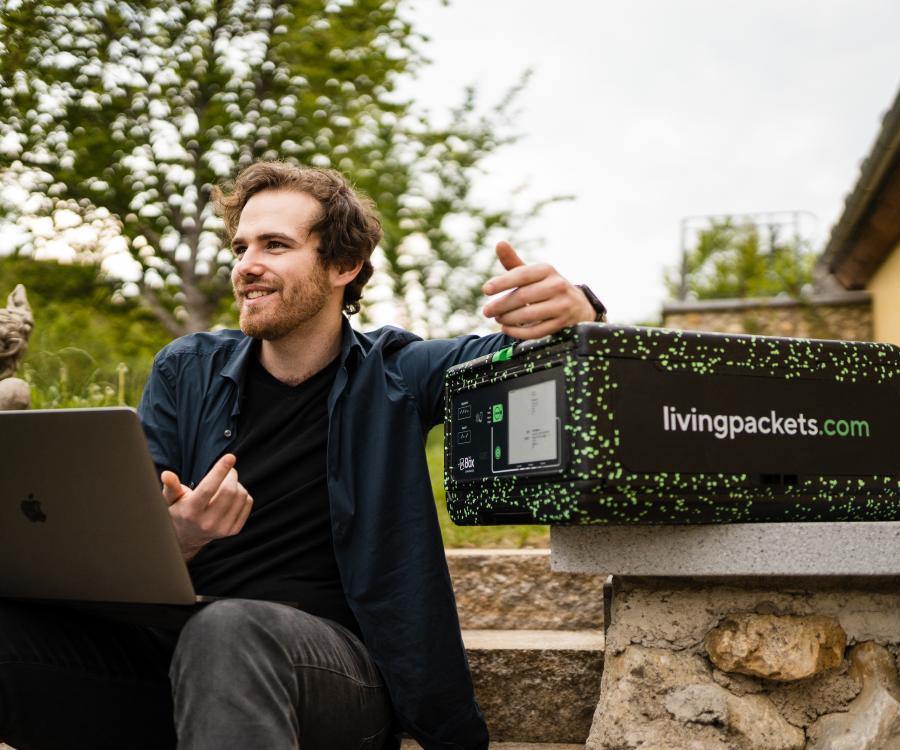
[{"x": 32, "y": 510}]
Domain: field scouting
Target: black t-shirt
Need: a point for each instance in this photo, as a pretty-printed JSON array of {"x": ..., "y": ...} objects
[{"x": 285, "y": 551}]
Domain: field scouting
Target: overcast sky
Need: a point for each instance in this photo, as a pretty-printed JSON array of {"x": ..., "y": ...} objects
[{"x": 652, "y": 110}]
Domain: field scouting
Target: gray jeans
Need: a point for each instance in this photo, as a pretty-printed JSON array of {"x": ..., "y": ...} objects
[{"x": 240, "y": 674}]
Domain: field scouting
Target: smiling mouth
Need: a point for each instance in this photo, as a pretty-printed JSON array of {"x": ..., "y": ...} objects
[{"x": 256, "y": 294}]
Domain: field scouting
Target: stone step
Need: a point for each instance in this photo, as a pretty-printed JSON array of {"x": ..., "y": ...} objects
[
  {"x": 513, "y": 589},
  {"x": 536, "y": 685},
  {"x": 413, "y": 745}
]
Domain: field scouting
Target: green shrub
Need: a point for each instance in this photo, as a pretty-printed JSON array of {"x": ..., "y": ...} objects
[
  {"x": 85, "y": 350},
  {"x": 70, "y": 378}
]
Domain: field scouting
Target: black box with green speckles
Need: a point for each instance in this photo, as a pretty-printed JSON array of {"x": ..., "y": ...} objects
[{"x": 614, "y": 424}]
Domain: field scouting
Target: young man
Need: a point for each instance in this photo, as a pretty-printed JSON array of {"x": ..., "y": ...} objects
[{"x": 292, "y": 459}]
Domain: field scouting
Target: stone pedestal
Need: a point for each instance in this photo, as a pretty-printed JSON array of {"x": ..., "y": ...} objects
[
  {"x": 740, "y": 637},
  {"x": 15, "y": 394}
]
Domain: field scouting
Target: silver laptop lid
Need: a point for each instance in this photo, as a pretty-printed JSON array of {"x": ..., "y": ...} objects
[{"x": 81, "y": 513}]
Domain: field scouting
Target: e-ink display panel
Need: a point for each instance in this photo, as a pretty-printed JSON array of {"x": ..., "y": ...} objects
[{"x": 532, "y": 424}]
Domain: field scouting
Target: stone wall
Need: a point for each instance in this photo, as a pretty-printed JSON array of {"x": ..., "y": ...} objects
[
  {"x": 847, "y": 316},
  {"x": 743, "y": 665}
]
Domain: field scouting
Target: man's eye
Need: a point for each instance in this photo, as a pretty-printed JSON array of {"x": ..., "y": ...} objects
[
  {"x": 238, "y": 251},
  {"x": 275, "y": 243}
]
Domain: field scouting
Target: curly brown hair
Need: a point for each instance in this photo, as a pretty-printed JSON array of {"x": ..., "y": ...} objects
[{"x": 349, "y": 227}]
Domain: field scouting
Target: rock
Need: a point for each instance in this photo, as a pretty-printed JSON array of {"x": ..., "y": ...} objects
[
  {"x": 656, "y": 698},
  {"x": 800, "y": 702},
  {"x": 804, "y": 701},
  {"x": 740, "y": 684},
  {"x": 753, "y": 720},
  {"x": 631, "y": 713},
  {"x": 14, "y": 394},
  {"x": 702, "y": 704},
  {"x": 872, "y": 721},
  {"x": 776, "y": 647}
]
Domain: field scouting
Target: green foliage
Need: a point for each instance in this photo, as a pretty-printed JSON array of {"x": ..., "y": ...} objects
[
  {"x": 130, "y": 111},
  {"x": 69, "y": 379},
  {"x": 733, "y": 260},
  {"x": 85, "y": 350}
]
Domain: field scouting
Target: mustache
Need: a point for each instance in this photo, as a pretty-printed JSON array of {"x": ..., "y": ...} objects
[{"x": 242, "y": 287}]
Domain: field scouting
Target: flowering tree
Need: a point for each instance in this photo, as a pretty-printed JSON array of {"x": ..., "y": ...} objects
[{"x": 125, "y": 114}]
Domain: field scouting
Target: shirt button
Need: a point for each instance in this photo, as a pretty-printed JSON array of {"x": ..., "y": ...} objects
[{"x": 227, "y": 433}]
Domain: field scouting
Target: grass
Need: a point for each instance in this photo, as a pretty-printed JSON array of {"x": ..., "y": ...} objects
[{"x": 70, "y": 378}]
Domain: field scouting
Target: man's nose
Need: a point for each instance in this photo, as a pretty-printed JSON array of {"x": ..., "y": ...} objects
[{"x": 249, "y": 263}]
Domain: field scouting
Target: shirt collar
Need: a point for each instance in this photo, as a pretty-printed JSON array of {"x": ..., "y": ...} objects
[
  {"x": 237, "y": 362},
  {"x": 351, "y": 348},
  {"x": 236, "y": 366}
]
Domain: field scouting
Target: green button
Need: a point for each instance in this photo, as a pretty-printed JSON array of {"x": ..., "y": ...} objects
[
  {"x": 497, "y": 453},
  {"x": 497, "y": 413},
  {"x": 504, "y": 354}
]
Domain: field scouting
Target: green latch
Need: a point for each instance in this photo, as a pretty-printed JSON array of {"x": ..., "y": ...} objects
[
  {"x": 503, "y": 354},
  {"x": 497, "y": 453},
  {"x": 497, "y": 413}
]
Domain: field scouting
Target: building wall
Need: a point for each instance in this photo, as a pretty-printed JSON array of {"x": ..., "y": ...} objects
[
  {"x": 850, "y": 322},
  {"x": 885, "y": 289}
]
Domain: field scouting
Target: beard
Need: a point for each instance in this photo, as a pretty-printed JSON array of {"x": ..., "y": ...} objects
[{"x": 299, "y": 303}]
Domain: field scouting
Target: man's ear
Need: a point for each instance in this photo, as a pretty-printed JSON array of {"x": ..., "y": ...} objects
[{"x": 341, "y": 277}]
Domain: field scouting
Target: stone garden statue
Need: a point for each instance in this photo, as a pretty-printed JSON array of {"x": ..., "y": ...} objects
[{"x": 16, "y": 323}]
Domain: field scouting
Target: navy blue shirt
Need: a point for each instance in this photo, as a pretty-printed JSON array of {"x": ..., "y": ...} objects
[{"x": 387, "y": 394}]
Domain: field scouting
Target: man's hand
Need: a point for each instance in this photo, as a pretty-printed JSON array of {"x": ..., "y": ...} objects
[
  {"x": 217, "y": 507},
  {"x": 542, "y": 301}
]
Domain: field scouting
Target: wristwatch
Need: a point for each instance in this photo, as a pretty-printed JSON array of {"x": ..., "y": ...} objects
[{"x": 598, "y": 306}]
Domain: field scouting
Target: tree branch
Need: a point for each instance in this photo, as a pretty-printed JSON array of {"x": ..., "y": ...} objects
[{"x": 163, "y": 314}]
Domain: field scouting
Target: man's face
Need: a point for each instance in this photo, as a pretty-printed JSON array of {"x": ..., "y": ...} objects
[{"x": 279, "y": 281}]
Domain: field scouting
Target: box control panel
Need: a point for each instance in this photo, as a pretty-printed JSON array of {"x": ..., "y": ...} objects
[{"x": 499, "y": 429}]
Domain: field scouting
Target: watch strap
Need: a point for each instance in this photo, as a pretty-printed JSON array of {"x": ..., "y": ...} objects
[{"x": 595, "y": 302}]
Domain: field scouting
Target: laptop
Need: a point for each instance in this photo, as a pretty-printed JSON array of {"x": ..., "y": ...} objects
[{"x": 82, "y": 518}]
